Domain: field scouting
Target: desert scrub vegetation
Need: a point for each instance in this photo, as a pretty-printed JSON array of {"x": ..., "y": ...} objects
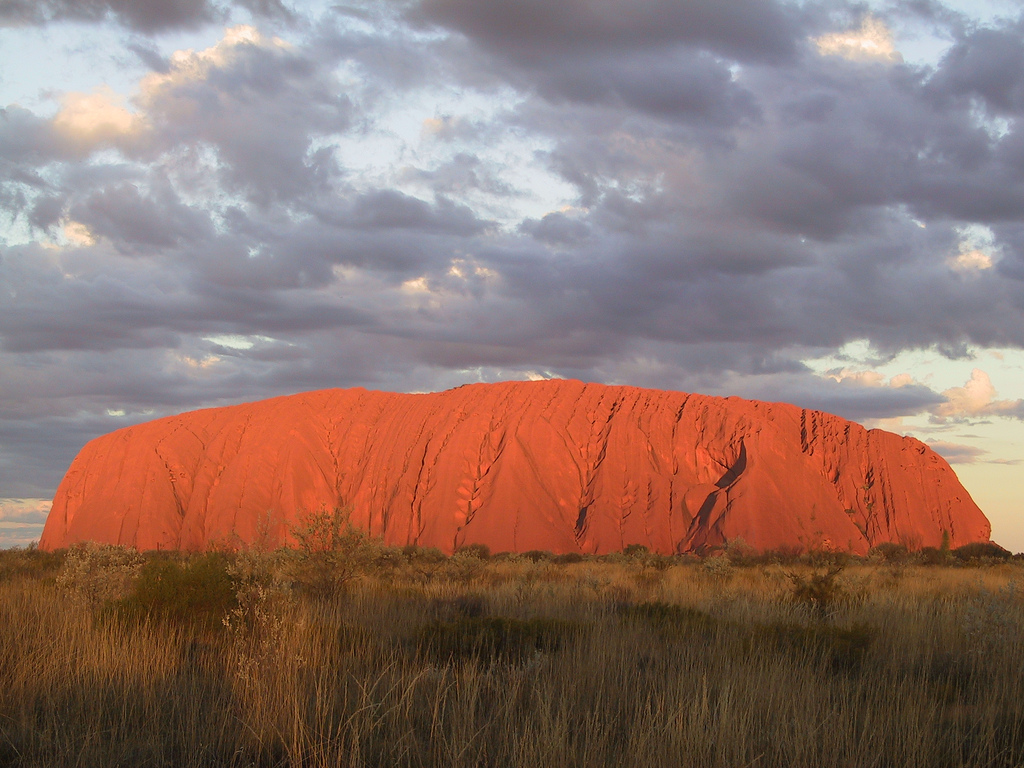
[{"x": 405, "y": 657}]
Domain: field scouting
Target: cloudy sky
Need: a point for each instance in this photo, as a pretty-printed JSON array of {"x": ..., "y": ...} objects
[{"x": 205, "y": 202}]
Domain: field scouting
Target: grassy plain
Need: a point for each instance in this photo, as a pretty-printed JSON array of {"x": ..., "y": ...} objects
[{"x": 370, "y": 657}]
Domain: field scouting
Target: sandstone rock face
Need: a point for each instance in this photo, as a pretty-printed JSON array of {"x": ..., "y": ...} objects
[{"x": 556, "y": 465}]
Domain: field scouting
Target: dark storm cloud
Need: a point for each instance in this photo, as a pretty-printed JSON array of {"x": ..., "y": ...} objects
[
  {"x": 987, "y": 64},
  {"x": 845, "y": 141},
  {"x": 725, "y": 259},
  {"x": 147, "y": 16},
  {"x": 24, "y": 138},
  {"x": 383, "y": 231},
  {"x": 35, "y": 454},
  {"x": 267, "y": 9},
  {"x": 260, "y": 105},
  {"x": 957, "y": 453},
  {"x": 556, "y": 229},
  {"x": 661, "y": 59},
  {"x": 1011, "y": 235},
  {"x": 142, "y": 15},
  {"x": 47, "y": 211},
  {"x": 945, "y": 20},
  {"x": 121, "y": 306},
  {"x": 22, "y": 514},
  {"x": 390, "y": 210},
  {"x": 151, "y": 57},
  {"x": 853, "y": 402},
  {"x": 888, "y": 286},
  {"x": 830, "y": 140},
  {"x": 142, "y": 223},
  {"x": 744, "y": 29},
  {"x": 683, "y": 86},
  {"x": 463, "y": 173}
]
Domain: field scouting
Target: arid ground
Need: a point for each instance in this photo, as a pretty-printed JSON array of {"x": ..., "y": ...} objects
[{"x": 345, "y": 653}]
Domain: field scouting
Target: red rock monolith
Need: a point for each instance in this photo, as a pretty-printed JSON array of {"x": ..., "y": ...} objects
[{"x": 551, "y": 465}]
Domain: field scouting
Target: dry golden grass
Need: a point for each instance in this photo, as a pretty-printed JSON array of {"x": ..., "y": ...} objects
[{"x": 509, "y": 662}]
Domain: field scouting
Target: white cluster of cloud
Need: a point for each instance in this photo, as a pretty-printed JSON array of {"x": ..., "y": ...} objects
[
  {"x": 23, "y": 511},
  {"x": 21, "y": 521},
  {"x": 868, "y": 378},
  {"x": 972, "y": 261},
  {"x": 411, "y": 195},
  {"x": 976, "y": 399},
  {"x": 90, "y": 120},
  {"x": 872, "y": 41}
]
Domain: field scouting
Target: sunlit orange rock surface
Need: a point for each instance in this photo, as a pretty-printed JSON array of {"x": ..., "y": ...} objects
[{"x": 555, "y": 465}]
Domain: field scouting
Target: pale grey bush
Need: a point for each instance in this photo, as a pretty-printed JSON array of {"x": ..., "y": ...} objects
[
  {"x": 719, "y": 566},
  {"x": 93, "y": 573}
]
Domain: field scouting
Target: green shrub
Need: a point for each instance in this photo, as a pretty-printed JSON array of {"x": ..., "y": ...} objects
[
  {"x": 641, "y": 555},
  {"x": 889, "y": 552},
  {"x": 479, "y": 551},
  {"x": 638, "y": 551},
  {"x": 780, "y": 556},
  {"x": 197, "y": 592},
  {"x": 568, "y": 558},
  {"x": 462, "y": 567},
  {"x": 28, "y": 563},
  {"x": 491, "y": 638},
  {"x": 423, "y": 555},
  {"x": 933, "y": 556},
  {"x": 826, "y": 558},
  {"x": 980, "y": 551},
  {"x": 538, "y": 555},
  {"x": 389, "y": 558}
]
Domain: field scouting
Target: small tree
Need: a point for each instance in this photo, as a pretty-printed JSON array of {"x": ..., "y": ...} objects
[
  {"x": 821, "y": 591},
  {"x": 332, "y": 551}
]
